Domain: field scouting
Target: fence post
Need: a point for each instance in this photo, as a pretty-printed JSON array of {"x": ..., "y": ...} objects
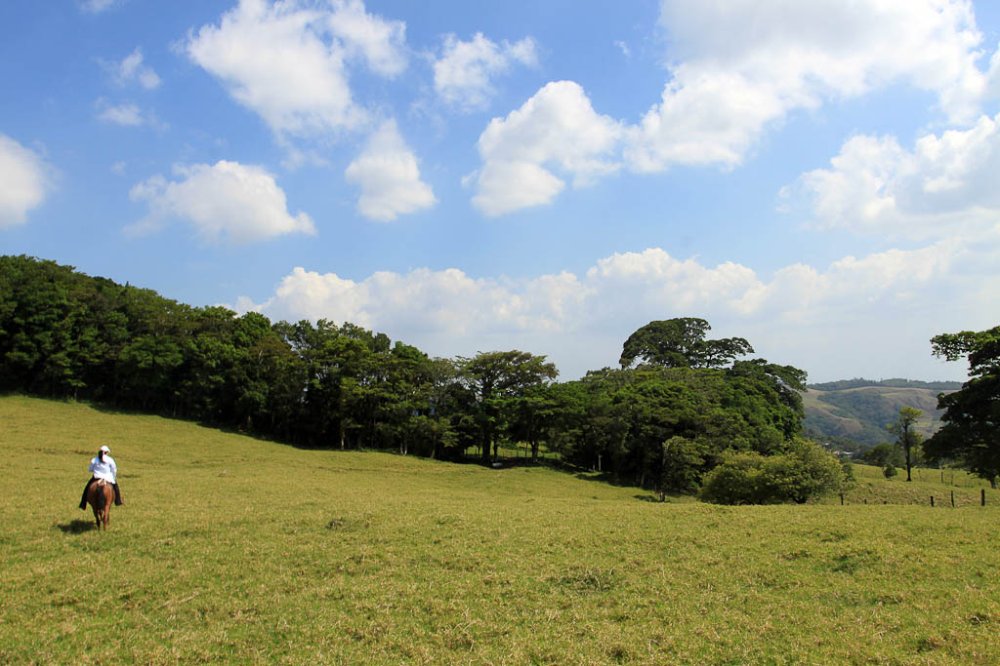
[
  {"x": 982, "y": 497},
  {"x": 953, "y": 499},
  {"x": 932, "y": 500},
  {"x": 841, "y": 499}
]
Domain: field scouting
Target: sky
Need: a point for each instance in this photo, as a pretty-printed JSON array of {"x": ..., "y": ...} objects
[{"x": 821, "y": 178}]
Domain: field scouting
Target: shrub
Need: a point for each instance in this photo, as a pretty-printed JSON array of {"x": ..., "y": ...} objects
[
  {"x": 890, "y": 471},
  {"x": 802, "y": 472}
]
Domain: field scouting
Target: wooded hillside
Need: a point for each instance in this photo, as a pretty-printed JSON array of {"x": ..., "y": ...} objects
[
  {"x": 664, "y": 421},
  {"x": 859, "y": 410}
]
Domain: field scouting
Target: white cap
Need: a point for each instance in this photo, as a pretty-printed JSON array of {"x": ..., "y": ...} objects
[{"x": 105, "y": 449}]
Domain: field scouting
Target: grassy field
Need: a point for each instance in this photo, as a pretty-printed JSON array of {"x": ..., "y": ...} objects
[{"x": 236, "y": 550}]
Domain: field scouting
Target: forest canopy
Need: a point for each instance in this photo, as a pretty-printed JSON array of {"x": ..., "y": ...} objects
[{"x": 678, "y": 407}]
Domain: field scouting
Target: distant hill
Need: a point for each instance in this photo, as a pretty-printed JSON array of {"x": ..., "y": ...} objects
[
  {"x": 856, "y": 411},
  {"x": 885, "y": 383}
]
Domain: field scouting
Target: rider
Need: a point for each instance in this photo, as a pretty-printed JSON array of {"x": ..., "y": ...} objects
[{"x": 103, "y": 466}]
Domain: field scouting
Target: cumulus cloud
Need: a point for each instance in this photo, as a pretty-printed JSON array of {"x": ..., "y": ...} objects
[
  {"x": 226, "y": 201},
  {"x": 288, "y": 61},
  {"x": 943, "y": 186},
  {"x": 379, "y": 42},
  {"x": 736, "y": 69},
  {"x": 464, "y": 73},
  {"x": 556, "y": 134},
  {"x": 24, "y": 182},
  {"x": 799, "y": 314},
  {"x": 389, "y": 177},
  {"x": 434, "y": 308},
  {"x": 740, "y": 66}
]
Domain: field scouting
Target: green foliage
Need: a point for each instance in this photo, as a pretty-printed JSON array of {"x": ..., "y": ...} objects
[
  {"x": 882, "y": 455},
  {"x": 631, "y": 423},
  {"x": 681, "y": 343},
  {"x": 505, "y": 387},
  {"x": 907, "y": 437},
  {"x": 804, "y": 472},
  {"x": 971, "y": 432},
  {"x": 322, "y": 384},
  {"x": 889, "y": 470}
]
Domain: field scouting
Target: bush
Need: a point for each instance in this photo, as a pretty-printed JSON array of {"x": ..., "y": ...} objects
[
  {"x": 890, "y": 471},
  {"x": 804, "y": 471}
]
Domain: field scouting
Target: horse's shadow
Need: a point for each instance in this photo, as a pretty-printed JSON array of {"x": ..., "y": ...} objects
[{"x": 77, "y": 526}]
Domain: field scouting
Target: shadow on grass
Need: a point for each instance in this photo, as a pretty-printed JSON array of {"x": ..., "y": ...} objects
[
  {"x": 649, "y": 498},
  {"x": 77, "y": 526}
]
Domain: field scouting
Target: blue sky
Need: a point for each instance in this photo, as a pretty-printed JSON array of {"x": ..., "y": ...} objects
[{"x": 819, "y": 178}]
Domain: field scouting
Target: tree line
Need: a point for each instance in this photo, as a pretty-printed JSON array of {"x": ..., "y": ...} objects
[{"x": 682, "y": 413}]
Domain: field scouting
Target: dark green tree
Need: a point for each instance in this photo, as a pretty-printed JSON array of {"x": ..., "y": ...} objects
[
  {"x": 970, "y": 435},
  {"x": 680, "y": 343},
  {"x": 495, "y": 379},
  {"x": 907, "y": 437}
]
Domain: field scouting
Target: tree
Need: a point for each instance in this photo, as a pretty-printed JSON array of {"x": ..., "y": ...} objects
[
  {"x": 496, "y": 379},
  {"x": 681, "y": 343},
  {"x": 907, "y": 436},
  {"x": 882, "y": 455},
  {"x": 970, "y": 435},
  {"x": 682, "y": 465}
]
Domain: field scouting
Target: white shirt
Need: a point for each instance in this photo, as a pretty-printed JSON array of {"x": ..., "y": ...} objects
[{"x": 106, "y": 470}]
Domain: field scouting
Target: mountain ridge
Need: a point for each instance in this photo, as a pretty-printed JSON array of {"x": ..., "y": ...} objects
[{"x": 854, "y": 413}]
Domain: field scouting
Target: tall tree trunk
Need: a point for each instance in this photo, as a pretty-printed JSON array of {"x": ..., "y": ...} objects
[{"x": 484, "y": 448}]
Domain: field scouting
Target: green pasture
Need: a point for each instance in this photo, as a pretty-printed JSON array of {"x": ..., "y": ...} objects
[
  {"x": 872, "y": 487},
  {"x": 236, "y": 550}
]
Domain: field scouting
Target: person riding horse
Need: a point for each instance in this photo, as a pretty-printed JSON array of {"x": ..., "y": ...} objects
[{"x": 103, "y": 466}]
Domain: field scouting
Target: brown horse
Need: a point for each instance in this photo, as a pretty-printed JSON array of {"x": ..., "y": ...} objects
[{"x": 101, "y": 495}]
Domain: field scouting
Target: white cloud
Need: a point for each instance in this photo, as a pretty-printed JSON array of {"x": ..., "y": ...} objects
[
  {"x": 98, "y": 6},
  {"x": 379, "y": 42},
  {"x": 389, "y": 177},
  {"x": 226, "y": 201},
  {"x": 24, "y": 182},
  {"x": 803, "y": 315},
  {"x": 742, "y": 65},
  {"x": 944, "y": 186},
  {"x": 463, "y": 75},
  {"x": 437, "y": 309},
  {"x": 555, "y": 134},
  {"x": 132, "y": 70},
  {"x": 128, "y": 115},
  {"x": 287, "y": 61}
]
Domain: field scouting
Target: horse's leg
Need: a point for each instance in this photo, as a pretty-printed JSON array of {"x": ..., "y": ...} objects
[{"x": 109, "y": 499}]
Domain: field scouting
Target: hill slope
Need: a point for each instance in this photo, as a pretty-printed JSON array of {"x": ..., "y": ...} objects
[
  {"x": 234, "y": 550},
  {"x": 859, "y": 411}
]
